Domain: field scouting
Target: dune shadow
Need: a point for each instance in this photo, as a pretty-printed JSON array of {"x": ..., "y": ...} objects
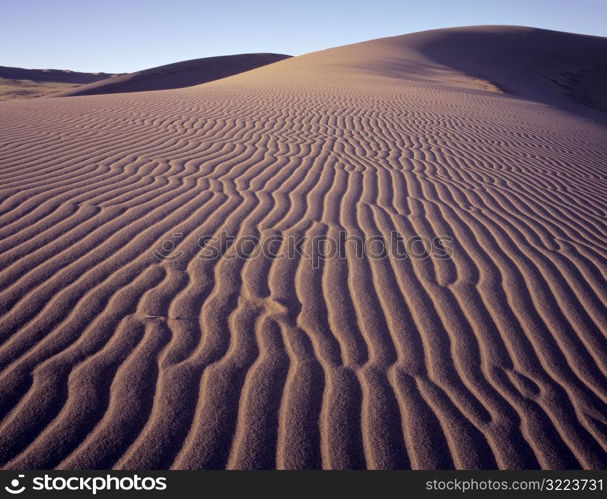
[{"x": 563, "y": 70}]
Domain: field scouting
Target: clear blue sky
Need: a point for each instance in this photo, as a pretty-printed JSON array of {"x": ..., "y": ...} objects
[{"x": 128, "y": 35}]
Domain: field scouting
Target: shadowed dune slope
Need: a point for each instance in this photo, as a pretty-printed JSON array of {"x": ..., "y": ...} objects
[
  {"x": 127, "y": 343},
  {"x": 537, "y": 64},
  {"x": 178, "y": 75}
]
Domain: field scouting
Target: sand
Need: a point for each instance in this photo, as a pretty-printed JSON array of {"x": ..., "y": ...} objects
[
  {"x": 114, "y": 357},
  {"x": 177, "y": 75},
  {"x": 19, "y": 83}
]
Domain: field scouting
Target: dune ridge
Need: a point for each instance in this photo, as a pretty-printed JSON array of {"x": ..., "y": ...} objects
[
  {"x": 495, "y": 358},
  {"x": 177, "y": 75}
]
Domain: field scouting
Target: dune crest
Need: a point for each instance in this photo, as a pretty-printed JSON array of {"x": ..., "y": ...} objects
[
  {"x": 124, "y": 346},
  {"x": 177, "y": 75},
  {"x": 541, "y": 65}
]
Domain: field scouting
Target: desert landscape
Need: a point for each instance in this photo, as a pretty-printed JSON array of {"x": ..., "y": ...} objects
[
  {"x": 18, "y": 83},
  {"x": 129, "y": 341}
]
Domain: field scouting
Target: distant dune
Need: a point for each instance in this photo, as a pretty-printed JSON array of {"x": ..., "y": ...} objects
[
  {"x": 130, "y": 338},
  {"x": 178, "y": 75},
  {"x": 19, "y": 83}
]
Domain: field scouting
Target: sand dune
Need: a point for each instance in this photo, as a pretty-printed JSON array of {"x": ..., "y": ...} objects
[
  {"x": 114, "y": 357},
  {"x": 19, "y": 83},
  {"x": 554, "y": 65},
  {"x": 177, "y": 75}
]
